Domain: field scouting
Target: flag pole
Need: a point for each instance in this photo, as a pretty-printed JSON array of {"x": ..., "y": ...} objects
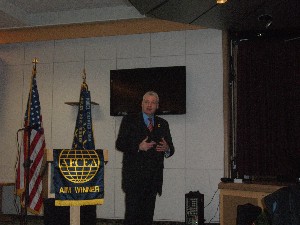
[
  {"x": 84, "y": 76},
  {"x": 74, "y": 215},
  {"x": 75, "y": 210}
]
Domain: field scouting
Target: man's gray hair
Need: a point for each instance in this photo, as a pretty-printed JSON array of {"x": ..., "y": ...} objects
[{"x": 151, "y": 93}]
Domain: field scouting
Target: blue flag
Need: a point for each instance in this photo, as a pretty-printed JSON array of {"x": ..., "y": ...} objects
[
  {"x": 79, "y": 172},
  {"x": 83, "y": 134}
]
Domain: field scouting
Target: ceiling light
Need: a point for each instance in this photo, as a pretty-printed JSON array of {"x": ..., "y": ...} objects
[{"x": 221, "y": 1}]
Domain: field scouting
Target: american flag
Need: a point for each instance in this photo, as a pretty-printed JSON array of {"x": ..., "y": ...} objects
[{"x": 34, "y": 132}]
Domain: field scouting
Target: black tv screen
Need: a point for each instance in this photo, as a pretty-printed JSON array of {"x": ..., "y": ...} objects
[{"x": 127, "y": 87}]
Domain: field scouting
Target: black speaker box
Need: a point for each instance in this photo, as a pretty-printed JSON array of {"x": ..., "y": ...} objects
[{"x": 194, "y": 208}]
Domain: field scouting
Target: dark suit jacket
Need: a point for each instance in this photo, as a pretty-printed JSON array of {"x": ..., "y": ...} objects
[{"x": 142, "y": 169}]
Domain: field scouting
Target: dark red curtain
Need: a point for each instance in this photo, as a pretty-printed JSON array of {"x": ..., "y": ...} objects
[{"x": 268, "y": 108}]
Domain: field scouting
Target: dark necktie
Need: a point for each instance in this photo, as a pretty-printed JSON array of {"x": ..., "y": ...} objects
[{"x": 150, "y": 126}]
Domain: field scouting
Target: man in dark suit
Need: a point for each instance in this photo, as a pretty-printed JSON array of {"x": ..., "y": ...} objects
[{"x": 145, "y": 140}]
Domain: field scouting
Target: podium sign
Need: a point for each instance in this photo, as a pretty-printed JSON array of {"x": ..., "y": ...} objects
[{"x": 78, "y": 177}]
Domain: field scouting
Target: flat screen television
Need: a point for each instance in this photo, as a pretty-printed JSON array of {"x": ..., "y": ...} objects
[{"x": 127, "y": 87}]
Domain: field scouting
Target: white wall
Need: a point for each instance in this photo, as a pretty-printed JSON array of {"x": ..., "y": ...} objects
[{"x": 198, "y": 135}]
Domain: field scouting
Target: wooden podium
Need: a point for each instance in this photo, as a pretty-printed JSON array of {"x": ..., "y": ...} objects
[
  {"x": 234, "y": 194},
  {"x": 47, "y": 181}
]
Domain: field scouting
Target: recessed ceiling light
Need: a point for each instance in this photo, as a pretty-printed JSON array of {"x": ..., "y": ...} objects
[{"x": 221, "y": 1}]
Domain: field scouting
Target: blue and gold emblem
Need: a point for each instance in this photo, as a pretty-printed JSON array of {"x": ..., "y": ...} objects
[
  {"x": 78, "y": 166},
  {"x": 78, "y": 177}
]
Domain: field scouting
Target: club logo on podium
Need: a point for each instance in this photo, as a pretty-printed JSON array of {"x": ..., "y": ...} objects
[{"x": 79, "y": 166}]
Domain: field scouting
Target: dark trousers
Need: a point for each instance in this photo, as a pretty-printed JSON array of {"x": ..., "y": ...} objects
[{"x": 139, "y": 208}]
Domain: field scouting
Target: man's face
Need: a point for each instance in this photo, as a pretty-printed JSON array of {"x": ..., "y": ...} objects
[{"x": 149, "y": 105}]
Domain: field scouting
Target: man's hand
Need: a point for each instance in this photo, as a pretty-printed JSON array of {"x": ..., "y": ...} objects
[
  {"x": 145, "y": 146},
  {"x": 162, "y": 146}
]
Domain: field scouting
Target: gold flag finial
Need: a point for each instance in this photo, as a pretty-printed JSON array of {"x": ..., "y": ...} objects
[{"x": 34, "y": 61}]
